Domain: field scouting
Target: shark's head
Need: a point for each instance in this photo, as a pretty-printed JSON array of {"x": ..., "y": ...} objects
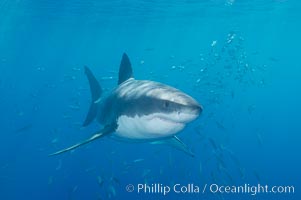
[
  {"x": 170, "y": 104},
  {"x": 151, "y": 110}
]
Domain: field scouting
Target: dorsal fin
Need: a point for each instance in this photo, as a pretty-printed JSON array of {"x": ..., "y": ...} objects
[{"x": 125, "y": 69}]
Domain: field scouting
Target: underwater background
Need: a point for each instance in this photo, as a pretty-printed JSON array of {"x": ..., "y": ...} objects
[{"x": 239, "y": 58}]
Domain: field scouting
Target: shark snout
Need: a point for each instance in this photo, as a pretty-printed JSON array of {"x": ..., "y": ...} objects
[
  {"x": 193, "y": 106},
  {"x": 198, "y": 109},
  {"x": 189, "y": 112},
  {"x": 195, "y": 109}
]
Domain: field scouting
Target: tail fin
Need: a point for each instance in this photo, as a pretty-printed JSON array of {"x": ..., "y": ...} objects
[{"x": 95, "y": 94}]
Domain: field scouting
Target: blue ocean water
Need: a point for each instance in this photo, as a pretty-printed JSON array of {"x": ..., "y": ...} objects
[{"x": 239, "y": 58}]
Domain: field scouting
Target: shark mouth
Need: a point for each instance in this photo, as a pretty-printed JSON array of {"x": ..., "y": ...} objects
[{"x": 164, "y": 119}]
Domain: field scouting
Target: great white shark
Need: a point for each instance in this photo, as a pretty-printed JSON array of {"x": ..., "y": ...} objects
[{"x": 139, "y": 110}]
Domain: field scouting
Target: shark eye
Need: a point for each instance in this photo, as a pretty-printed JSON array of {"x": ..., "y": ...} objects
[{"x": 166, "y": 104}]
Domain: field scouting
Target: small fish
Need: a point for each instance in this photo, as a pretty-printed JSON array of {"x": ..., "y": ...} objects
[
  {"x": 138, "y": 160},
  {"x": 115, "y": 180},
  {"x": 213, "y": 144},
  {"x": 262, "y": 82},
  {"x": 59, "y": 166},
  {"x": 74, "y": 189},
  {"x": 220, "y": 160},
  {"x": 107, "y": 78},
  {"x": 213, "y": 43},
  {"x": 200, "y": 133},
  {"x": 112, "y": 190},
  {"x": 228, "y": 66},
  {"x": 180, "y": 67},
  {"x": 259, "y": 139},
  {"x": 24, "y": 128},
  {"x": 40, "y": 68},
  {"x": 99, "y": 197},
  {"x": 65, "y": 116},
  {"x": 35, "y": 108},
  {"x": 251, "y": 108},
  {"x": 213, "y": 177},
  {"x": 242, "y": 172},
  {"x": 75, "y": 69},
  {"x": 73, "y": 107},
  {"x": 257, "y": 176},
  {"x": 146, "y": 172},
  {"x": 50, "y": 180},
  {"x": 50, "y": 85},
  {"x": 127, "y": 166},
  {"x": 4, "y": 166},
  {"x": 262, "y": 67},
  {"x": 33, "y": 95},
  {"x": 220, "y": 126},
  {"x": 77, "y": 124},
  {"x": 112, "y": 71},
  {"x": 173, "y": 67},
  {"x": 228, "y": 175},
  {"x": 230, "y": 2},
  {"x": 273, "y": 59},
  {"x": 54, "y": 140},
  {"x": 231, "y": 37},
  {"x": 233, "y": 157},
  {"x": 146, "y": 181},
  {"x": 93, "y": 168},
  {"x": 69, "y": 77},
  {"x": 161, "y": 170},
  {"x": 170, "y": 159},
  {"x": 201, "y": 168},
  {"x": 232, "y": 94},
  {"x": 100, "y": 181}
]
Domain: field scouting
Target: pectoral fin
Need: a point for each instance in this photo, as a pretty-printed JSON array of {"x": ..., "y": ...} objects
[
  {"x": 176, "y": 143},
  {"x": 105, "y": 131}
]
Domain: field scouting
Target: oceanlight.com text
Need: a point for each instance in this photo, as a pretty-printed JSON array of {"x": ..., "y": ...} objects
[
  {"x": 250, "y": 189},
  {"x": 191, "y": 188}
]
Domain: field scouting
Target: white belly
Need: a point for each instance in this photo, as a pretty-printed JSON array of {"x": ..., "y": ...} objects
[{"x": 146, "y": 127}]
